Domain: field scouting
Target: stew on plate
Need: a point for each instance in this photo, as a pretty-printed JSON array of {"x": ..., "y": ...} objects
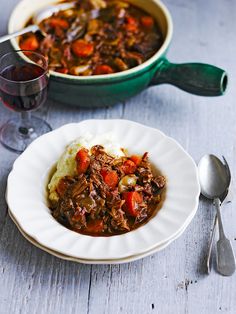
[{"x": 108, "y": 195}]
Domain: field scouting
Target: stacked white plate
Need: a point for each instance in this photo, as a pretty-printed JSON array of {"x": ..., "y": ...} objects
[{"x": 27, "y": 194}]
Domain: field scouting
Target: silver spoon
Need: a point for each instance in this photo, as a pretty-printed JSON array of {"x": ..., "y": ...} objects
[
  {"x": 37, "y": 18},
  {"x": 214, "y": 184},
  {"x": 215, "y": 219}
]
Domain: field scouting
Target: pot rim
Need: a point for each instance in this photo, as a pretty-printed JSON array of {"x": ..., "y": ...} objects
[{"x": 122, "y": 74}]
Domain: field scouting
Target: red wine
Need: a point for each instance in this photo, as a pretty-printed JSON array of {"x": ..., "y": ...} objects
[{"x": 23, "y": 87}]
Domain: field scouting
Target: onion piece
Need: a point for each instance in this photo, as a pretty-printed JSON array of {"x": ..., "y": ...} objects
[
  {"x": 77, "y": 70},
  {"x": 126, "y": 182}
]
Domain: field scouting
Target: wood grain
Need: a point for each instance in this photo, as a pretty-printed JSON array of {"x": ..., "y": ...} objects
[{"x": 173, "y": 280}]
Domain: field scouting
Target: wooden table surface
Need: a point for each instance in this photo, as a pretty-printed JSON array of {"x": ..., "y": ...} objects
[{"x": 173, "y": 280}]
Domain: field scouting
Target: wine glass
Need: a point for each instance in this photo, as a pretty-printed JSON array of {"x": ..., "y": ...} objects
[{"x": 23, "y": 88}]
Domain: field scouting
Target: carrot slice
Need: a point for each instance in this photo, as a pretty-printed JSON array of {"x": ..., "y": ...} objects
[
  {"x": 95, "y": 226},
  {"x": 82, "y": 160},
  {"x": 58, "y": 22},
  {"x": 131, "y": 24},
  {"x": 30, "y": 43},
  {"x": 132, "y": 201},
  {"x": 147, "y": 21},
  {"x": 62, "y": 70},
  {"x": 128, "y": 167},
  {"x": 110, "y": 178},
  {"x": 103, "y": 69},
  {"x": 136, "y": 159},
  {"x": 81, "y": 48}
]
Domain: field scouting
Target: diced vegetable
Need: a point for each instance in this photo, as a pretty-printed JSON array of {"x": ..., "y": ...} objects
[
  {"x": 82, "y": 48},
  {"x": 82, "y": 160},
  {"x": 131, "y": 24},
  {"x": 128, "y": 167},
  {"x": 87, "y": 202},
  {"x": 103, "y": 69},
  {"x": 98, "y": 4},
  {"x": 127, "y": 182},
  {"x": 77, "y": 70},
  {"x": 68, "y": 13},
  {"x": 110, "y": 177},
  {"x": 62, "y": 70},
  {"x": 30, "y": 43},
  {"x": 136, "y": 159},
  {"x": 132, "y": 201},
  {"x": 121, "y": 64},
  {"x": 134, "y": 58},
  {"x": 95, "y": 226},
  {"x": 93, "y": 26},
  {"x": 58, "y": 22},
  {"x": 147, "y": 21}
]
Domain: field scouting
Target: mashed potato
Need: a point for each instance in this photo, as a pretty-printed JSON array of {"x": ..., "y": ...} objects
[{"x": 66, "y": 165}]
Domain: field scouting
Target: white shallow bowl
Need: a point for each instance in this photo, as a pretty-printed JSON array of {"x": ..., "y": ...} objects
[{"x": 27, "y": 194}]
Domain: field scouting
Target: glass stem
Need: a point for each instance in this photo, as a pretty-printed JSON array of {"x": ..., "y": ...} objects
[{"x": 25, "y": 128}]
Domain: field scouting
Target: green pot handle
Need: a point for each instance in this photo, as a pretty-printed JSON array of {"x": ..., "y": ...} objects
[{"x": 195, "y": 78}]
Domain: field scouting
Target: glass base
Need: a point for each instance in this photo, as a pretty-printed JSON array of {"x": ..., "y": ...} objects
[{"x": 17, "y": 138}]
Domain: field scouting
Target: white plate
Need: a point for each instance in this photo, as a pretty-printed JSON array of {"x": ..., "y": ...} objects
[
  {"x": 87, "y": 261},
  {"x": 27, "y": 197}
]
